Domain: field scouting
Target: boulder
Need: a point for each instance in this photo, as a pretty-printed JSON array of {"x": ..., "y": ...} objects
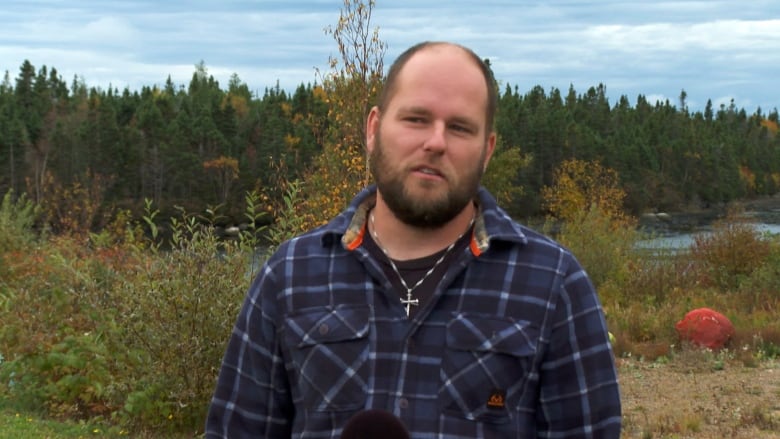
[{"x": 706, "y": 328}]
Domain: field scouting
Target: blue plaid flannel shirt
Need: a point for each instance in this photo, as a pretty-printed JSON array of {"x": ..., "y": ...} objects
[{"x": 512, "y": 345}]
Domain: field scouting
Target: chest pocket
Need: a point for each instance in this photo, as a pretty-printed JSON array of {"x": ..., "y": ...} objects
[
  {"x": 329, "y": 355},
  {"x": 485, "y": 366}
]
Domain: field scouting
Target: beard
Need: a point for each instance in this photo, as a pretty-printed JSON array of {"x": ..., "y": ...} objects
[{"x": 425, "y": 212}]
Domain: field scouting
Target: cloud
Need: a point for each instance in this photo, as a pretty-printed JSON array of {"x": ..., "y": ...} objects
[
  {"x": 651, "y": 47},
  {"x": 115, "y": 30}
]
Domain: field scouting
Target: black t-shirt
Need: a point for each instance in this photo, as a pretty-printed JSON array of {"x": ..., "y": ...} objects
[{"x": 415, "y": 269}]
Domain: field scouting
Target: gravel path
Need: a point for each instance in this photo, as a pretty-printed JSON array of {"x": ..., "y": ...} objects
[{"x": 699, "y": 396}]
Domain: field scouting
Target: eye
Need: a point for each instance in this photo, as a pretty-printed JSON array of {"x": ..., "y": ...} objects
[{"x": 460, "y": 128}]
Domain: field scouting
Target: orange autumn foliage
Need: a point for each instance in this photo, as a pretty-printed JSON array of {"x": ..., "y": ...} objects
[{"x": 770, "y": 125}]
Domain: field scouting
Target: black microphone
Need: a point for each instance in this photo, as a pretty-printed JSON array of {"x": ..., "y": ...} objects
[{"x": 374, "y": 424}]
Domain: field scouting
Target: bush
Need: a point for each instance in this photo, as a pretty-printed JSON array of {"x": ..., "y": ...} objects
[
  {"x": 131, "y": 330},
  {"x": 56, "y": 340},
  {"x": 760, "y": 291},
  {"x": 731, "y": 253},
  {"x": 604, "y": 246},
  {"x": 119, "y": 330},
  {"x": 733, "y": 269},
  {"x": 17, "y": 218},
  {"x": 177, "y": 311},
  {"x": 656, "y": 277}
]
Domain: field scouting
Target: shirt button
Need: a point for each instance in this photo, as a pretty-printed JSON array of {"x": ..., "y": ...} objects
[
  {"x": 323, "y": 329},
  {"x": 403, "y": 403}
]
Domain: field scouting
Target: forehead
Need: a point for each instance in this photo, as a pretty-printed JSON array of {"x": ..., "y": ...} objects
[{"x": 439, "y": 75}]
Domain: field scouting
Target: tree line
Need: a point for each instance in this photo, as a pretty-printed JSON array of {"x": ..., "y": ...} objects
[{"x": 203, "y": 145}]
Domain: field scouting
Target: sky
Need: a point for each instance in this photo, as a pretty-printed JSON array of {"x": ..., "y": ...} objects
[{"x": 713, "y": 49}]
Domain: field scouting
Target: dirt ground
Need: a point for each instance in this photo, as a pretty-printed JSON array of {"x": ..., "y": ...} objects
[{"x": 700, "y": 396}]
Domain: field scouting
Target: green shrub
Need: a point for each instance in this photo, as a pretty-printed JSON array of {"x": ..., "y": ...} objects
[
  {"x": 731, "y": 253},
  {"x": 177, "y": 311},
  {"x": 761, "y": 289},
  {"x": 17, "y": 218},
  {"x": 118, "y": 329},
  {"x": 56, "y": 341},
  {"x": 288, "y": 222},
  {"x": 643, "y": 323},
  {"x": 131, "y": 330},
  {"x": 657, "y": 277},
  {"x": 605, "y": 247}
]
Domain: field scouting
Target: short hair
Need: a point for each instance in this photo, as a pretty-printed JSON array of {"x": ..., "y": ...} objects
[{"x": 391, "y": 80}]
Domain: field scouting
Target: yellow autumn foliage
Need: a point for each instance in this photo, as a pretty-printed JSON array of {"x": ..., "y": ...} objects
[
  {"x": 748, "y": 178},
  {"x": 341, "y": 170},
  {"x": 581, "y": 185},
  {"x": 239, "y": 104}
]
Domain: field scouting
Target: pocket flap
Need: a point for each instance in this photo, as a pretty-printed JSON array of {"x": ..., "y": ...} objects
[
  {"x": 327, "y": 325},
  {"x": 492, "y": 334}
]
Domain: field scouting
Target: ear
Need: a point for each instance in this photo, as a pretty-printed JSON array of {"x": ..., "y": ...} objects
[
  {"x": 490, "y": 144},
  {"x": 372, "y": 128}
]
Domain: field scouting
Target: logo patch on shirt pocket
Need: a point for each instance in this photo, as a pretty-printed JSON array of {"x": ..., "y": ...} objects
[
  {"x": 497, "y": 399},
  {"x": 485, "y": 365}
]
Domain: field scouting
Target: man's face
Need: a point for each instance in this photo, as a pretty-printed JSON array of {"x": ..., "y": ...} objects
[{"x": 430, "y": 146}]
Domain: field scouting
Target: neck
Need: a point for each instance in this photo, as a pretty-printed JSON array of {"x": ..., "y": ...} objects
[{"x": 402, "y": 241}]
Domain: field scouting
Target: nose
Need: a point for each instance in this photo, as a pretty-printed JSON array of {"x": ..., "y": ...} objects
[{"x": 437, "y": 139}]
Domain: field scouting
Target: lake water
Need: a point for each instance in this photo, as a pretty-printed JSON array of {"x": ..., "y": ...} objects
[{"x": 683, "y": 241}]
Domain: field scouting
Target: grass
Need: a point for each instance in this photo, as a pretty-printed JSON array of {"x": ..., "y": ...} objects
[
  {"x": 14, "y": 425},
  {"x": 18, "y": 423}
]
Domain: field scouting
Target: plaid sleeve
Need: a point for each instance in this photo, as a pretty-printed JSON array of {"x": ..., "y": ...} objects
[
  {"x": 579, "y": 395},
  {"x": 252, "y": 396}
]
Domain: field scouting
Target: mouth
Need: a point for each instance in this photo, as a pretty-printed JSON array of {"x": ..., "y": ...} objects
[{"x": 428, "y": 171}]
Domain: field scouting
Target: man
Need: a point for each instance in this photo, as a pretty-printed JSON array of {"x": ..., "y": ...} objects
[{"x": 422, "y": 299}]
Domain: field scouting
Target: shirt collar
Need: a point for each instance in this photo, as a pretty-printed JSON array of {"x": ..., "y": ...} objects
[{"x": 492, "y": 223}]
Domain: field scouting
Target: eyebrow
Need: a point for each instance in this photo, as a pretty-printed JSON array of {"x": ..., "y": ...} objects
[{"x": 414, "y": 110}]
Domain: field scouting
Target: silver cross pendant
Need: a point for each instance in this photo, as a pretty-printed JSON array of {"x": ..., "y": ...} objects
[{"x": 409, "y": 301}]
